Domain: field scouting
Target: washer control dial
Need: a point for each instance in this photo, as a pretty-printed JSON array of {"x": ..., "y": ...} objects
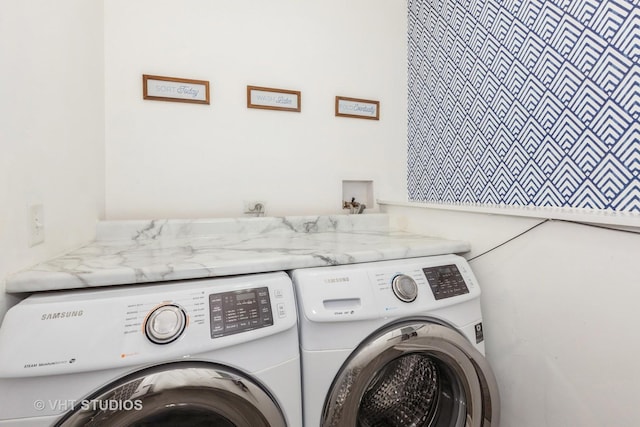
[
  {"x": 165, "y": 324},
  {"x": 404, "y": 288}
]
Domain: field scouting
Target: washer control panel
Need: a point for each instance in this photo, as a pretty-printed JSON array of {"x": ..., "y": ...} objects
[
  {"x": 445, "y": 281},
  {"x": 385, "y": 288}
]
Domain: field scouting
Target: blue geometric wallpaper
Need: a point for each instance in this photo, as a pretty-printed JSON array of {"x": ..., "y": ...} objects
[{"x": 525, "y": 103}]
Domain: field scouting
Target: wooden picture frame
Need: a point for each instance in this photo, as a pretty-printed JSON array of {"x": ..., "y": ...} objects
[
  {"x": 357, "y": 108},
  {"x": 175, "y": 89},
  {"x": 273, "y": 99}
]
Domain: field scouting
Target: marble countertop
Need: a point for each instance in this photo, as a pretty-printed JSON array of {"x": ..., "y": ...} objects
[{"x": 133, "y": 252}]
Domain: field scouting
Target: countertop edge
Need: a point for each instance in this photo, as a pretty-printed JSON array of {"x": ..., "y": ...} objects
[{"x": 138, "y": 251}]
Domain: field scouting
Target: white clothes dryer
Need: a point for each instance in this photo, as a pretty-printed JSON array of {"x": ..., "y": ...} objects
[
  {"x": 394, "y": 343},
  {"x": 220, "y": 352}
]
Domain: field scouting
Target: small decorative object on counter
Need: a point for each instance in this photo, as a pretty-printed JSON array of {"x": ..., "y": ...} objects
[{"x": 353, "y": 206}]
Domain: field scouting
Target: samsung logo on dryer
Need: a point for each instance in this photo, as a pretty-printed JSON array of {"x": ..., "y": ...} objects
[{"x": 62, "y": 315}]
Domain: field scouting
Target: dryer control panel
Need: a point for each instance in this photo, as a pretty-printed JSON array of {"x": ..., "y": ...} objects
[
  {"x": 88, "y": 330},
  {"x": 238, "y": 311}
]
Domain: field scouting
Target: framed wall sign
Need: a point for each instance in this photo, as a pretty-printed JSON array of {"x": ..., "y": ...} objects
[
  {"x": 175, "y": 89},
  {"x": 273, "y": 99},
  {"x": 358, "y": 108}
]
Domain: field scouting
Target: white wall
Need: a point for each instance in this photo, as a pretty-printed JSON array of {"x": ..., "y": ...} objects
[
  {"x": 51, "y": 127},
  {"x": 560, "y": 307},
  {"x": 166, "y": 159}
]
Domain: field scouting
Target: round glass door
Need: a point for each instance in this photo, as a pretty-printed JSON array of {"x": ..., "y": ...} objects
[
  {"x": 415, "y": 374},
  {"x": 412, "y": 390},
  {"x": 182, "y": 393}
]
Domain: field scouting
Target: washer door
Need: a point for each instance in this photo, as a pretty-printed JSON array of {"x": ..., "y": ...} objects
[
  {"x": 181, "y": 393},
  {"x": 414, "y": 373}
]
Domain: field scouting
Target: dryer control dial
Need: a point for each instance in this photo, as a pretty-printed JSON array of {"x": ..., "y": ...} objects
[
  {"x": 404, "y": 288},
  {"x": 165, "y": 324}
]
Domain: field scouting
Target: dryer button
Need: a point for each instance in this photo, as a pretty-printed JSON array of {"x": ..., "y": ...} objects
[{"x": 165, "y": 324}]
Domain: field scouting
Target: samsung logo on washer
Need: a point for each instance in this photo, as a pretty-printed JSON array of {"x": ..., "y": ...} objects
[
  {"x": 337, "y": 279},
  {"x": 62, "y": 315}
]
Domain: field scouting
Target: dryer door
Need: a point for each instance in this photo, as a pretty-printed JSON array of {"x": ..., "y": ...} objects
[
  {"x": 181, "y": 393},
  {"x": 414, "y": 373}
]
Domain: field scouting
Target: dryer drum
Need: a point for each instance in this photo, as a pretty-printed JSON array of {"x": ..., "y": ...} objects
[
  {"x": 180, "y": 393},
  {"x": 416, "y": 374}
]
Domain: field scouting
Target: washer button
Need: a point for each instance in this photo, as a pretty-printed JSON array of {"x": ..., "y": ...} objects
[{"x": 404, "y": 288}]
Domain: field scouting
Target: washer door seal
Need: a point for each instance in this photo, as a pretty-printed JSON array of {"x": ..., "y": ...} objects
[
  {"x": 414, "y": 373},
  {"x": 180, "y": 393}
]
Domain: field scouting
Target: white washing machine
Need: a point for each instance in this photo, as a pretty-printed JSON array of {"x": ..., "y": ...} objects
[
  {"x": 220, "y": 352},
  {"x": 394, "y": 343}
]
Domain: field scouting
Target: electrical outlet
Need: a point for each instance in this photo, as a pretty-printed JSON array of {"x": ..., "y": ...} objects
[
  {"x": 36, "y": 224},
  {"x": 255, "y": 208}
]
